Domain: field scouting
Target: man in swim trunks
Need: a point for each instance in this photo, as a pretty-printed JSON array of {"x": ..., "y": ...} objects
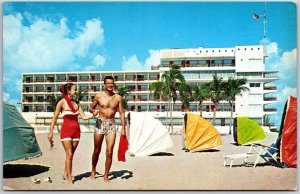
[{"x": 109, "y": 103}]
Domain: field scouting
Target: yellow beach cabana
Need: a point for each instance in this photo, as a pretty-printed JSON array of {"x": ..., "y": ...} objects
[{"x": 200, "y": 134}]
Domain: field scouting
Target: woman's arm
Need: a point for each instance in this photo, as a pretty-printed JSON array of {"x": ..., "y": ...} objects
[
  {"x": 94, "y": 104},
  {"x": 83, "y": 116},
  {"x": 54, "y": 120}
]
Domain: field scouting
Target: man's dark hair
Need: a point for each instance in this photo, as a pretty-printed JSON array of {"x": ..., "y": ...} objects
[{"x": 108, "y": 77}]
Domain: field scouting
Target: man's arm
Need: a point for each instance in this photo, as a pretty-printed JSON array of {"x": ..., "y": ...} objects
[
  {"x": 122, "y": 116},
  {"x": 93, "y": 105}
]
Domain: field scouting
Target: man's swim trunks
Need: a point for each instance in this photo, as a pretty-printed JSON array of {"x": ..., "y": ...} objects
[{"x": 105, "y": 126}]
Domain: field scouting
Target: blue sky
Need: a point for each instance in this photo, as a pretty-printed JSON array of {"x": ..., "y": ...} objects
[{"x": 108, "y": 36}]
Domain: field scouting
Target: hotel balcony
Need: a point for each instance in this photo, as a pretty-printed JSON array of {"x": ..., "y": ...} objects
[
  {"x": 270, "y": 87},
  {"x": 270, "y": 99},
  {"x": 270, "y": 109}
]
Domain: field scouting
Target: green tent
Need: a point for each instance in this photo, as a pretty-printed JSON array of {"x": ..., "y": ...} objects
[
  {"x": 247, "y": 131},
  {"x": 19, "y": 140}
]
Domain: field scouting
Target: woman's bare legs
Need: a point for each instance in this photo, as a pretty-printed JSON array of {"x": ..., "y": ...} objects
[{"x": 70, "y": 147}]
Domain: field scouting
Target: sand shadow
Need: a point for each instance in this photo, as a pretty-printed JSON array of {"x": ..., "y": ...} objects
[
  {"x": 206, "y": 151},
  {"x": 86, "y": 175},
  {"x": 162, "y": 154},
  {"x": 22, "y": 170},
  {"x": 123, "y": 174}
]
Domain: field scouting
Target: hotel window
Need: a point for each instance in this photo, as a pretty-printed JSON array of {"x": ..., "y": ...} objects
[
  {"x": 165, "y": 62},
  {"x": 152, "y": 107},
  {"x": 153, "y": 76},
  {"x": 142, "y": 108},
  {"x": 141, "y": 77},
  {"x": 228, "y": 62},
  {"x": 193, "y": 107},
  {"x": 73, "y": 78},
  {"x": 258, "y": 120},
  {"x": 130, "y": 87},
  {"x": 203, "y": 63},
  {"x": 216, "y": 62},
  {"x": 83, "y": 78},
  {"x": 255, "y": 107},
  {"x": 143, "y": 97},
  {"x": 177, "y": 107},
  {"x": 177, "y": 62},
  {"x": 218, "y": 122},
  {"x": 131, "y": 97},
  {"x": 193, "y": 62},
  {"x": 119, "y": 77},
  {"x": 61, "y": 78},
  {"x": 130, "y": 77},
  {"x": 254, "y": 85},
  {"x": 253, "y": 97},
  {"x": 142, "y": 87}
]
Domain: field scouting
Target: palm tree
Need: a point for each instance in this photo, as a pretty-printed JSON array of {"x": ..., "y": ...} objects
[
  {"x": 168, "y": 87},
  {"x": 80, "y": 94},
  {"x": 200, "y": 93},
  {"x": 185, "y": 93},
  {"x": 123, "y": 92},
  {"x": 233, "y": 87},
  {"x": 216, "y": 92},
  {"x": 53, "y": 101}
]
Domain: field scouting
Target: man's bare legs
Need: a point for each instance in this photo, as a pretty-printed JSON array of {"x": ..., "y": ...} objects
[
  {"x": 110, "y": 142},
  {"x": 70, "y": 147},
  {"x": 98, "y": 139}
]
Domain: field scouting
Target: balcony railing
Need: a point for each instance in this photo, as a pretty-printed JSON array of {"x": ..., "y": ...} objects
[
  {"x": 270, "y": 98},
  {"x": 270, "y": 87},
  {"x": 270, "y": 109}
]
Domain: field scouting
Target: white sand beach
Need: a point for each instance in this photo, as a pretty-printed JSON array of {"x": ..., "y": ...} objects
[{"x": 174, "y": 169}]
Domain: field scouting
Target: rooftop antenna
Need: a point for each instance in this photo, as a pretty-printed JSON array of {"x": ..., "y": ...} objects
[{"x": 264, "y": 15}]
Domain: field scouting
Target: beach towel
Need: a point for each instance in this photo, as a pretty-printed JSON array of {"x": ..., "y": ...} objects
[{"x": 123, "y": 147}]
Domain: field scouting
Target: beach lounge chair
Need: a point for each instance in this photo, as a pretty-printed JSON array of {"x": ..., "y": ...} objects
[
  {"x": 269, "y": 153},
  {"x": 246, "y": 132},
  {"x": 283, "y": 152},
  {"x": 254, "y": 152}
]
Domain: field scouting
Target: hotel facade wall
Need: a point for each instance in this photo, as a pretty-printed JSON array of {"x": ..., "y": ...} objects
[{"x": 197, "y": 65}]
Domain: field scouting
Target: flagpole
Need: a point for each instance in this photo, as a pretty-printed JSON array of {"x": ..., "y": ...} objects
[{"x": 265, "y": 20}]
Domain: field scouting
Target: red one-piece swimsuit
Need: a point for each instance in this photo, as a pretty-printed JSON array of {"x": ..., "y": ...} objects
[{"x": 70, "y": 129}]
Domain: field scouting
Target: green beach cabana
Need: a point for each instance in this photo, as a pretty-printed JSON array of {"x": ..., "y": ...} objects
[
  {"x": 247, "y": 131},
  {"x": 19, "y": 140}
]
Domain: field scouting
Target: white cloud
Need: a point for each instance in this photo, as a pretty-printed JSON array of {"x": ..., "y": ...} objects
[
  {"x": 98, "y": 62},
  {"x": 132, "y": 63},
  {"x": 6, "y": 96},
  {"x": 45, "y": 45},
  {"x": 28, "y": 16},
  {"x": 285, "y": 92},
  {"x": 271, "y": 48},
  {"x": 92, "y": 34},
  {"x": 289, "y": 59},
  {"x": 153, "y": 59}
]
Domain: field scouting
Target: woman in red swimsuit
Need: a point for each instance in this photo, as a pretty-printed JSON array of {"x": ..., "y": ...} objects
[{"x": 70, "y": 129}]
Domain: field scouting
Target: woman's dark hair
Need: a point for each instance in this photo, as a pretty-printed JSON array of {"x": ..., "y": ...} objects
[
  {"x": 108, "y": 77},
  {"x": 64, "y": 88}
]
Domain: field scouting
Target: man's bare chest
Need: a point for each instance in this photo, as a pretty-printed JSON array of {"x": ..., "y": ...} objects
[{"x": 108, "y": 102}]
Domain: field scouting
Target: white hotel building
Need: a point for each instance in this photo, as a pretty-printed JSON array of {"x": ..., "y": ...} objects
[{"x": 197, "y": 65}]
